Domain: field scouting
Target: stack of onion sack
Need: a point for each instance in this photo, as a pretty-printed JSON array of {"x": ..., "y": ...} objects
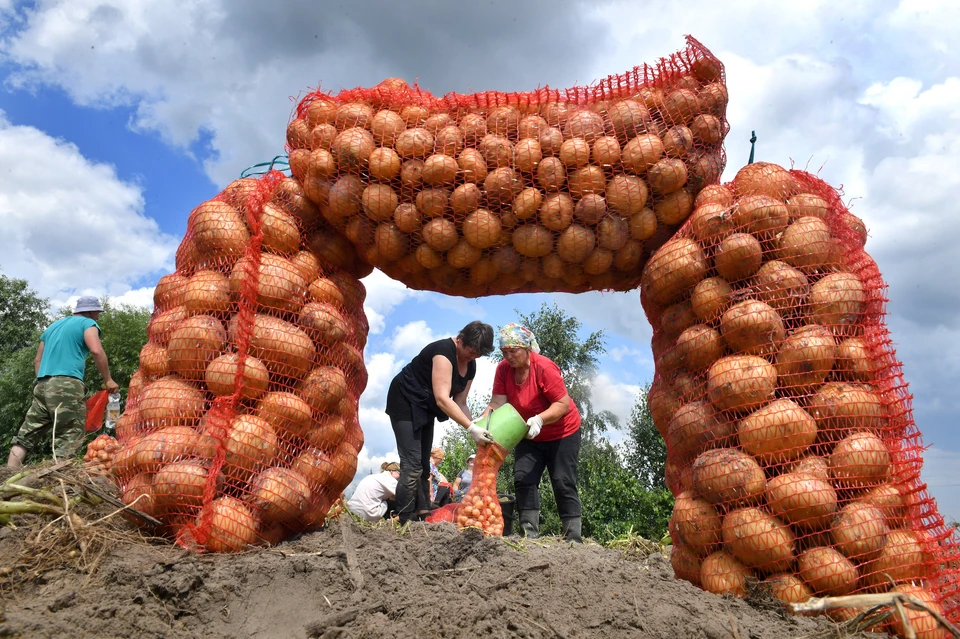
[
  {"x": 496, "y": 193},
  {"x": 480, "y": 507},
  {"x": 100, "y": 453},
  {"x": 241, "y": 424},
  {"x": 791, "y": 448}
]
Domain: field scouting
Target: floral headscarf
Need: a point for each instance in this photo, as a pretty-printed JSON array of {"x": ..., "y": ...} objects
[{"x": 515, "y": 336}]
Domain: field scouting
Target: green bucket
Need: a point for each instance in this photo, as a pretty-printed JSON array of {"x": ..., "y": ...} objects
[{"x": 506, "y": 426}]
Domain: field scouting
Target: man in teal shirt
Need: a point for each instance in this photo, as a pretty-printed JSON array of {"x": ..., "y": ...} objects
[{"x": 59, "y": 391}]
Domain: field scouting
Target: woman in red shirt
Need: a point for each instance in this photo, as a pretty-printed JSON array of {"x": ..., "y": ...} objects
[{"x": 533, "y": 385}]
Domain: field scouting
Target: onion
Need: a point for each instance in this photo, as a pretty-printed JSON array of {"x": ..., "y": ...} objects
[
  {"x": 698, "y": 524},
  {"x": 171, "y": 401},
  {"x": 178, "y": 487},
  {"x": 694, "y": 428},
  {"x": 779, "y": 432},
  {"x": 251, "y": 444},
  {"x": 781, "y": 286},
  {"x": 218, "y": 231},
  {"x": 699, "y": 346},
  {"x": 788, "y": 588},
  {"x": 740, "y": 383},
  {"x": 805, "y": 359},
  {"x": 386, "y": 125},
  {"x": 854, "y": 363},
  {"x": 827, "y": 572},
  {"x": 232, "y": 527},
  {"x": 738, "y": 256},
  {"x": 194, "y": 343},
  {"x": 221, "y": 375},
  {"x": 859, "y": 531},
  {"x": 804, "y": 500},
  {"x": 323, "y": 323},
  {"x": 839, "y": 408},
  {"x": 763, "y": 178},
  {"x": 285, "y": 411},
  {"x": 685, "y": 564},
  {"x": 923, "y": 623},
  {"x": 710, "y": 298},
  {"x": 281, "y": 234},
  {"x": 837, "y": 301},
  {"x": 723, "y": 574},
  {"x": 641, "y": 153},
  {"x": 752, "y": 327},
  {"x": 901, "y": 559},
  {"x": 808, "y": 245},
  {"x": 859, "y": 460},
  {"x": 278, "y": 282},
  {"x": 758, "y": 539},
  {"x": 280, "y": 494},
  {"x": 760, "y": 215},
  {"x": 154, "y": 360},
  {"x": 323, "y": 388},
  {"x": 678, "y": 265},
  {"x": 169, "y": 291},
  {"x": 286, "y": 350},
  {"x": 163, "y": 323},
  {"x": 728, "y": 476}
]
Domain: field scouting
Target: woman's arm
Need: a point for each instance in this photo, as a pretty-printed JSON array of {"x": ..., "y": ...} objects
[
  {"x": 556, "y": 410},
  {"x": 442, "y": 376},
  {"x": 461, "y": 400},
  {"x": 456, "y": 484},
  {"x": 496, "y": 401}
]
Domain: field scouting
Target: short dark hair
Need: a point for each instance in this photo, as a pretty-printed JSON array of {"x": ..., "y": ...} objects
[{"x": 477, "y": 335}]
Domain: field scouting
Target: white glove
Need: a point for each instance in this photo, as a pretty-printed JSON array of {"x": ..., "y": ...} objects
[
  {"x": 480, "y": 434},
  {"x": 534, "y": 424}
]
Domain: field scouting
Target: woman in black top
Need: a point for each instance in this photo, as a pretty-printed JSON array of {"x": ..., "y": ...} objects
[{"x": 435, "y": 384}]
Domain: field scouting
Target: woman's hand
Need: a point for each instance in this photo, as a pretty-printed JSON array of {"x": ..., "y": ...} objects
[
  {"x": 534, "y": 424},
  {"x": 480, "y": 434}
]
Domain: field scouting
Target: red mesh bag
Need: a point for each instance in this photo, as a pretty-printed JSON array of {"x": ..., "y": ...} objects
[
  {"x": 96, "y": 406},
  {"x": 241, "y": 424},
  {"x": 791, "y": 446},
  {"x": 100, "y": 453},
  {"x": 480, "y": 506},
  {"x": 495, "y": 193}
]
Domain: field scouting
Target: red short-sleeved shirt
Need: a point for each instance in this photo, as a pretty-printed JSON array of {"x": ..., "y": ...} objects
[{"x": 543, "y": 386}]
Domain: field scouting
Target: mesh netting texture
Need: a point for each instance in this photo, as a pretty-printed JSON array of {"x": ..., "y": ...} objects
[
  {"x": 480, "y": 506},
  {"x": 791, "y": 446},
  {"x": 241, "y": 424},
  {"x": 496, "y": 193}
]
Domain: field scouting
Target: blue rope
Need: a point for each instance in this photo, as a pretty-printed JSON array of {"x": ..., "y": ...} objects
[
  {"x": 753, "y": 144},
  {"x": 278, "y": 163}
]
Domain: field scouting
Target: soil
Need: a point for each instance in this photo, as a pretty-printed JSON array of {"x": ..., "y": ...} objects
[{"x": 353, "y": 580}]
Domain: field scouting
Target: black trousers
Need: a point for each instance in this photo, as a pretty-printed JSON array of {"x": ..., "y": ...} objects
[
  {"x": 559, "y": 458},
  {"x": 413, "y": 447}
]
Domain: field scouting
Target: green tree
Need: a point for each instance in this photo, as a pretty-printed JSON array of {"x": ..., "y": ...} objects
[
  {"x": 23, "y": 314},
  {"x": 644, "y": 450}
]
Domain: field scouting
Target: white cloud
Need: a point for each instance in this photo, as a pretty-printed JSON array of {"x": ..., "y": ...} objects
[
  {"x": 383, "y": 295},
  {"x": 409, "y": 339},
  {"x": 70, "y": 226},
  {"x": 611, "y": 395}
]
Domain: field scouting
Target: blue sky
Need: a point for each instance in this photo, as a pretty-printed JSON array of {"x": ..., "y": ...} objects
[{"x": 117, "y": 118}]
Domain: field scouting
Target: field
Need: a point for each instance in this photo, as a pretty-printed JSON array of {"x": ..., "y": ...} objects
[{"x": 352, "y": 580}]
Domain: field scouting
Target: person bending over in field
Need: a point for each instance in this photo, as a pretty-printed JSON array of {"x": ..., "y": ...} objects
[
  {"x": 373, "y": 498},
  {"x": 435, "y": 384},
  {"x": 58, "y": 395},
  {"x": 533, "y": 385}
]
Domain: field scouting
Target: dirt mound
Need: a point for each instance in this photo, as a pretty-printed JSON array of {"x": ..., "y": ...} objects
[{"x": 349, "y": 580}]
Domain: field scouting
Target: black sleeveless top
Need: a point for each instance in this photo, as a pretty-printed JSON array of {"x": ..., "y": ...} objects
[{"x": 411, "y": 392}]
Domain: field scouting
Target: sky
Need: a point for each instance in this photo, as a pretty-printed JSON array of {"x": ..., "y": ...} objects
[{"x": 117, "y": 118}]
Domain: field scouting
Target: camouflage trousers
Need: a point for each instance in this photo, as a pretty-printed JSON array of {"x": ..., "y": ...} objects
[{"x": 61, "y": 396}]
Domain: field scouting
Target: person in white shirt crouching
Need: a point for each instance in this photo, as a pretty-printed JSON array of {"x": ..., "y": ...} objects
[{"x": 375, "y": 495}]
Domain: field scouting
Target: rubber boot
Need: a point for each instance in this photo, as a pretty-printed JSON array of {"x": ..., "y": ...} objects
[
  {"x": 530, "y": 523},
  {"x": 571, "y": 529}
]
